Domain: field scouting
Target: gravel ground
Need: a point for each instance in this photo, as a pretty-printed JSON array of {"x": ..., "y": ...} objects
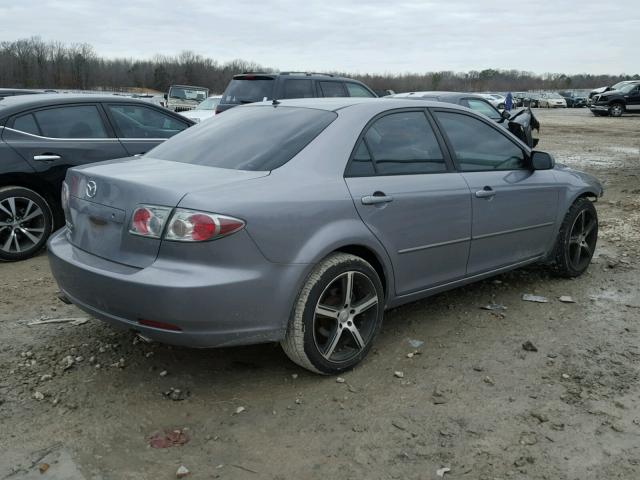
[{"x": 86, "y": 402}]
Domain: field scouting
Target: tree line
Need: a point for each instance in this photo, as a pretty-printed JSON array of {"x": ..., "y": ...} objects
[{"x": 34, "y": 63}]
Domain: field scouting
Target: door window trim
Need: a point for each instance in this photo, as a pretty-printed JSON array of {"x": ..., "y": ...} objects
[
  {"x": 525, "y": 150},
  {"x": 449, "y": 166}
]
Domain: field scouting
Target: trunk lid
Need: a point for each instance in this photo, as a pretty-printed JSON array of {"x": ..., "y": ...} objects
[{"x": 103, "y": 197}]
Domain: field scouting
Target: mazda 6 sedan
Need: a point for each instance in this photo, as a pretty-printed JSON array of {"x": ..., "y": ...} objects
[{"x": 301, "y": 221}]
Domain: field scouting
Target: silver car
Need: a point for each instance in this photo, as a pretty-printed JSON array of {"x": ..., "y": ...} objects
[{"x": 301, "y": 221}]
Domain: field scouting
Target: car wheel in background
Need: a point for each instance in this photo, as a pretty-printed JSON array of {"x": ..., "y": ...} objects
[
  {"x": 337, "y": 315},
  {"x": 616, "y": 109},
  {"x": 25, "y": 223},
  {"x": 577, "y": 239}
]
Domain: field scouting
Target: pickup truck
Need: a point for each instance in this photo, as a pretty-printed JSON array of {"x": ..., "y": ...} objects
[
  {"x": 184, "y": 97},
  {"x": 625, "y": 98}
]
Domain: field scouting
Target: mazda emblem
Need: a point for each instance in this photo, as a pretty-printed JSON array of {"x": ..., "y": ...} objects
[{"x": 91, "y": 190}]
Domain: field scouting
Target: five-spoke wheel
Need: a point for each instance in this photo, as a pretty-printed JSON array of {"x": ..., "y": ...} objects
[{"x": 577, "y": 239}]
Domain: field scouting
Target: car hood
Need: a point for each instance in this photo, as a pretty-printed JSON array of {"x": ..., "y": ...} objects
[{"x": 198, "y": 114}]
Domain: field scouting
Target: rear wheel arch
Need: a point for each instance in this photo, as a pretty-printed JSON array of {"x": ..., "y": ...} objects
[
  {"x": 42, "y": 188},
  {"x": 371, "y": 257}
]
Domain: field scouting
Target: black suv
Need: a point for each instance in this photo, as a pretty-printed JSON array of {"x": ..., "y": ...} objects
[
  {"x": 626, "y": 98},
  {"x": 256, "y": 87}
]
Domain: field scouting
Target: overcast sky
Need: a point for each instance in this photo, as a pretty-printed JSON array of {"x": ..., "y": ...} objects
[{"x": 354, "y": 36}]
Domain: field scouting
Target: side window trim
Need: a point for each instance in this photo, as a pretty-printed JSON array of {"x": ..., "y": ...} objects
[
  {"x": 449, "y": 146},
  {"x": 105, "y": 121},
  {"x": 448, "y": 160}
]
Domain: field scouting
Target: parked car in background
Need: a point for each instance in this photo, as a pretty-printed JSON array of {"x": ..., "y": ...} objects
[
  {"x": 257, "y": 87},
  {"x": 303, "y": 221},
  {"x": 204, "y": 110},
  {"x": 521, "y": 123},
  {"x": 43, "y": 135},
  {"x": 574, "y": 99},
  {"x": 597, "y": 91},
  {"x": 551, "y": 100},
  {"x": 625, "y": 98},
  {"x": 496, "y": 99},
  {"x": 184, "y": 97},
  {"x": 11, "y": 92}
]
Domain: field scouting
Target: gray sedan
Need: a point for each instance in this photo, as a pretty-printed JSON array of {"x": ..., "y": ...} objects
[{"x": 301, "y": 221}]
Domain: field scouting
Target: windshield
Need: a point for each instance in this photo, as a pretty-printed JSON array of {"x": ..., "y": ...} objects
[
  {"x": 193, "y": 94},
  {"x": 257, "y": 138},
  {"x": 209, "y": 104},
  {"x": 247, "y": 90}
]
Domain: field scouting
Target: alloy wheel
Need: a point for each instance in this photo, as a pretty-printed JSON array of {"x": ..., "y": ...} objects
[
  {"x": 22, "y": 224},
  {"x": 582, "y": 239},
  {"x": 616, "y": 110},
  {"x": 345, "y": 316}
]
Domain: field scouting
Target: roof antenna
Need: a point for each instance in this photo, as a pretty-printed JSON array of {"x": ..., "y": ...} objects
[{"x": 275, "y": 102}]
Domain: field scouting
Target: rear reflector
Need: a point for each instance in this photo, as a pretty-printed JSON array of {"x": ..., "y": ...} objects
[{"x": 160, "y": 325}]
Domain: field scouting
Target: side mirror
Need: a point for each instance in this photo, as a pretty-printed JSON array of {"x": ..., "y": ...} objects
[
  {"x": 505, "y": 114},
  {"x": 542, "y": 161}
]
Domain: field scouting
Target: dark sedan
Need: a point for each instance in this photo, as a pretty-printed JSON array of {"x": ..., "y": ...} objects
[
  {"x": 521, "y": 122},
  {"x": 41, "y": 136}
]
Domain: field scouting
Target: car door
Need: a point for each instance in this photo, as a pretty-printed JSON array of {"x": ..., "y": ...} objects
[
  {"x": 514, "y": 207},
  {"x": 142, "y": 127},
  {"x": 633, "y": 99},
  {"x": 406, "y": 192},
  {"x": 54, "y": 139}
]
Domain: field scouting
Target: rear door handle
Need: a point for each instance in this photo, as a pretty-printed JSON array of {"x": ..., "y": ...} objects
[
  {"x": 486, "y": 192},
  {"x": 376, "y": 199},
  {"x": 47, "y": 157}
]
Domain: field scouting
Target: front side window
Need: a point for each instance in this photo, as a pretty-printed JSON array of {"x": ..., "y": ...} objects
[
  {"x": 332, "y": 89},
  {"x": 479, "y": 147},
  {"x": 404, "y": 143},
  {"x": 356, "y": 90},
  {"x": 298, "y": 89},
  {"x": 26, "y": 123},
  {"x": 78, "y": 121},
  {"x": 484, "y": 108},
  {"x": 138, "y": 121}
]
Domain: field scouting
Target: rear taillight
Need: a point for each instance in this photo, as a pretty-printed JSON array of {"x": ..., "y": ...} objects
[
  {"x": 64, "y": 199},
  {"x": 149, "y": 220},
  {"x": 194, "y": 226}
]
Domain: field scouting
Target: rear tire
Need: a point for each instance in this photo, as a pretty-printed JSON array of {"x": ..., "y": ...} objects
[
  {"x": 25, "y": 223},
  {"x": 577, "y": 239},
  {"x": 337, "y": 315}
]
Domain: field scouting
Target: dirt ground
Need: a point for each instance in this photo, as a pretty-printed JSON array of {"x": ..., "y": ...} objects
[{"x": 85, "y": 400}]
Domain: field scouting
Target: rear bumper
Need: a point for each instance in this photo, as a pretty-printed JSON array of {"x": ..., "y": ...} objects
[{"x": 213, "y": 305}]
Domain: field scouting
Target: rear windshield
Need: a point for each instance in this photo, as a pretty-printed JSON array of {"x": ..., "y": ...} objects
[
  {"x": 248, "y": 90},
  {"x": 258, "y": 138}
]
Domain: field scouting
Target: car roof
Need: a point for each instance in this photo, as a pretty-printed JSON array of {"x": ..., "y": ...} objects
[
  {"x": 18, "y": 103},
  {"x": 438, "y": 94},
  {"x": 338, "y": 103}
]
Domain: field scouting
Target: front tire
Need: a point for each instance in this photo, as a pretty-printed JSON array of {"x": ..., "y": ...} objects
[
  {"x": 577, "y": 239},
  {"x": 25, "y": 223},
  {"x": 616, "y": 110},
  {"x": 337, "y": 315}
]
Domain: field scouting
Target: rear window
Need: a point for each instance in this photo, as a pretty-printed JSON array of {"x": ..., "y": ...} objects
[
  {"x": 248, "y": 90},
  {"x": 258, "y": 138}
]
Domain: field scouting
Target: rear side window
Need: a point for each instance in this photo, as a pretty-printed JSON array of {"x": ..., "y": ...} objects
[
  {"x": 258, "y": 138},
  {"x": 404, "y": 143},
  {"x": 138, "y": 121},
  {"x": 246, "y": 90},
  {"x": 356, "y": 90},
  {"x": 298, "y": 89},
  {"x": 479, "y": 147},
  {"x": 26, "y": 123},
  {"x": 361, "y": 164},
  {"x": 332, "y": 89},
  {"x": 78, "y": 121}
]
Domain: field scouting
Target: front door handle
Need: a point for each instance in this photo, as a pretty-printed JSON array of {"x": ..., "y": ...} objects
[
  {"x": 376, "y": 199},
  {"x": 47, "y": 157},
  {"x": 486, "y": 192}
]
